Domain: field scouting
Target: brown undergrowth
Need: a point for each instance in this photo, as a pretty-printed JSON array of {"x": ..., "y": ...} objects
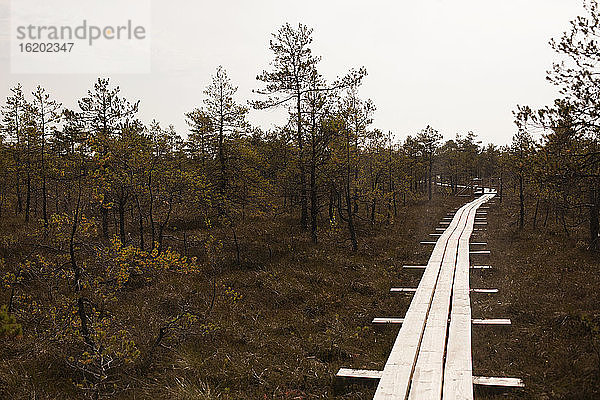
[
  {"x": 548, "y": 286},
  {"x": 290, "y": 313},
  {"x": 284, "y": 319}
]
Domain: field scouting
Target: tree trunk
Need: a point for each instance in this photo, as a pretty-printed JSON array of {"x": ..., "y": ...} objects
[
  {"x": 122, "y": 219},
  {"x": 373, "y": 206},
  {"x": 501, "y": 188},
  {"x": 19, "y": 208},
  {"x": 594, "y": 226},
  {"x": 161, "y": 228},
  {"x": 81, "y": 311},
  {"x": 222, "y": 177},
  {"x": 303, "y": 190},
  {"x": 140, "y": 222},
  {"x": 151, "y": 213},
  {"x": 44, "y": 195},
  {"x": 535, "y": 214},
  {"x": 348, "y": 197},
  {"x": 521, "y": 203},
  {"x": 314, "y": 205},
  {"x": 28, "y": 198},
  {"x": 43, "y": 166},
  {"x": 430, "y": 172},
  {"x": 351, "y": 220}
]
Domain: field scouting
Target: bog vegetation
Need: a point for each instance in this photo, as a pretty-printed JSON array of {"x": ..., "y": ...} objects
[{"x": 116, "y": 235}]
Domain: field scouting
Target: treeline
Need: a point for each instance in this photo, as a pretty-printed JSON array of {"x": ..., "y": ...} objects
[{"x": 327, "y": 163}]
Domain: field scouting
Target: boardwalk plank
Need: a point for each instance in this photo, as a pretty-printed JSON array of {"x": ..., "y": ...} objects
[
  {"x": 415, "y": 367},
  {"x": 428, "y": 375},
  {"x": 458, "y": 371},
  {"x": 398, "y": 370}
]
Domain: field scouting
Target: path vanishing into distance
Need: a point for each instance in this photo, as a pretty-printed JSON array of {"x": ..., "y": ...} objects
[{"x": 431, "y": 356}]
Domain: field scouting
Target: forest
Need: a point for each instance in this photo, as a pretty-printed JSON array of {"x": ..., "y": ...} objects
[{"x": 141, "y": 262}]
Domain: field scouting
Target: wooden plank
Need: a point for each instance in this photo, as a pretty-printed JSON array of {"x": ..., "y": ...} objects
[
  {"x": 477, "y": 321},
  {"x": 397, "y": 373},
  {"x": 412, "y": 290},
  {"x": 496, "y": 321},
  {"x": 427, "y": 380},
  {"x": 457, "y": 350},
  {"x": 428, "y": 371},
  {"x": 425, "y": 266},
  {"x": 387, "y": 320},
  {"x": 458, "y": 367},
  {"x": 484, "y": 290},
  {"x": 358, "y": 373},
  {"x": 415, "y": 364},
  {"x": 500, "y": 382},
  {"x": 423, "y": 363}
]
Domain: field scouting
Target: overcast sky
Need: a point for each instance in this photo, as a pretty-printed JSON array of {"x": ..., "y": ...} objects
[{"x": 457, "y": 65}]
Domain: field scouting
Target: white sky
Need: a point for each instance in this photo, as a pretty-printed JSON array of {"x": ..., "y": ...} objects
[{"x": 457, "y": 65}]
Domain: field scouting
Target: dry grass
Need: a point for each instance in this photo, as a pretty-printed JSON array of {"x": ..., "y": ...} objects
[
  {"x": 547, "y": 283},
  {"x": 305, "y": 311}
]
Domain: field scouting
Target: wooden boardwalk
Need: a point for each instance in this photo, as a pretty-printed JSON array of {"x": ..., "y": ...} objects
[{"x": 431, "y": 356}]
